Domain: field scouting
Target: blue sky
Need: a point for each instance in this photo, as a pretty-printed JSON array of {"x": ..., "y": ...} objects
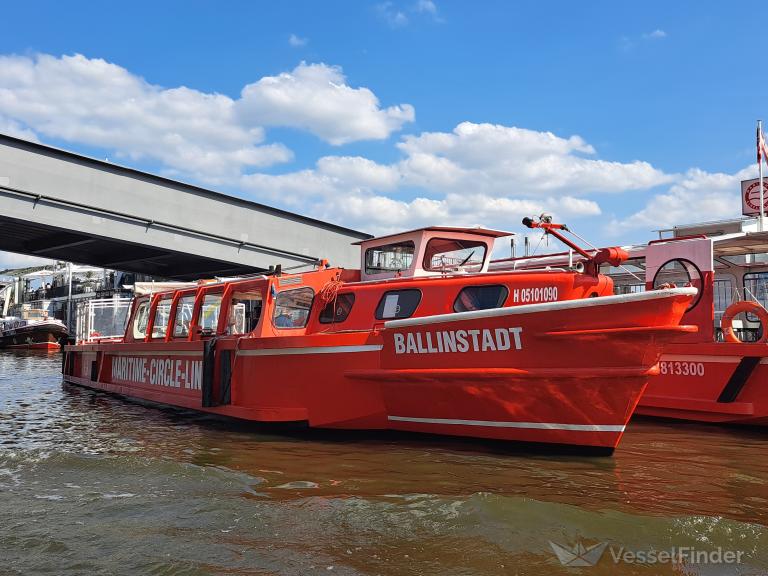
[{"x": 618, "y": 117}]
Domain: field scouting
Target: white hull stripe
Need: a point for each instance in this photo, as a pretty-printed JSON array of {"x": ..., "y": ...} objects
[
  {"x": 529, "y": 425},
  {"x": 153, "y": 353},
  {"x": 701, "y": 358},
  {"x": 543, "y": 307},
  {"x": 310, "y": 350}
]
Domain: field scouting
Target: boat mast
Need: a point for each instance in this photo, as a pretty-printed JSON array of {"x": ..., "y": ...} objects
[{"x": 760, "y": 148}]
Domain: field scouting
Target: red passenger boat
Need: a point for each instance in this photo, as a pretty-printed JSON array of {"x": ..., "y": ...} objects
[
  {"x": 718, "y": 373},
  {"x": 422, "y": 338}
]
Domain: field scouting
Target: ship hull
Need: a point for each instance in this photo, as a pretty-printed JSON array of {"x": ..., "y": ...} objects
[
  {"x": 40, "y": 336},
  {"x": 562, "y": 373},
  {"x": 721, "y": 382}
]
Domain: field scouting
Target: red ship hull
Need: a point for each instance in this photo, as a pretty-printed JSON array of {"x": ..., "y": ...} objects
[
  {"x": 36, "y": 336},
  {"x": 563, "y": 372},
  {"x": 719, "y": 382}
]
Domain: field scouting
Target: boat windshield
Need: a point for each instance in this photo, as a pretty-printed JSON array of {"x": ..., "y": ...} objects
[
  {"x": 451, "y": 253},
  {"x": 389, "y": 258}
]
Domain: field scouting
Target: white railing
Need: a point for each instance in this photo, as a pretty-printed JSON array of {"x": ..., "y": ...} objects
[{"x": 101, "y": 318}]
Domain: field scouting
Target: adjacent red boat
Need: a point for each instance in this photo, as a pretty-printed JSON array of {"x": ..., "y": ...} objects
[
  {"x": 422, "y": 338},
  {"x": 39, "y": 334},
  {"x": 718, "y": 373}
]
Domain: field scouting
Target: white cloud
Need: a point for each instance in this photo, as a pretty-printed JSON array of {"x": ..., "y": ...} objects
[
  {"x": 317, "y": 98},
  {"x": 297, "y": 41},
  {"x": 698, "y": 196},
  {"x": 655, "y": 35},
  {"x": 393, "y": 16},
  {"x": 381, "y": 198},
  {"x": 13, "y": 128},
  {"x": 208, "y": 136},
  {"x": 359, "y": 172},
  {"x": 382, "y": 214},
  {"x": 93, "y": 102},
  {"x": 425, "y": 6},
  {"x": 500, "y": 160},
  {"x": 476, "y": 174}
]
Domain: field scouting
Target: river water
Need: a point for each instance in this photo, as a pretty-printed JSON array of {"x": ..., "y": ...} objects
[{"x": 94, "y": 484}]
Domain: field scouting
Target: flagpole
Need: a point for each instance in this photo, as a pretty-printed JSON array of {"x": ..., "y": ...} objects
[{"x": 760, "y": 164}]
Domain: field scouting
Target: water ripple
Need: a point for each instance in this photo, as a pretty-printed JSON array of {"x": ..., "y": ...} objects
[{"x": 95, "y": 484}]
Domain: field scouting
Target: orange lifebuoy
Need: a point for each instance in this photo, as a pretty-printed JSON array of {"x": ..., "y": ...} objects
[{"x": 737, "y": 308}]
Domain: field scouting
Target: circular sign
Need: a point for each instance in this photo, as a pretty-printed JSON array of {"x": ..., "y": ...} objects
[{"x": 752, "y": 196}]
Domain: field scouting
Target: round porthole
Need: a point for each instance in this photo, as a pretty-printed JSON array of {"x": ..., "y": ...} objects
[{"x": 680, "y": 272}]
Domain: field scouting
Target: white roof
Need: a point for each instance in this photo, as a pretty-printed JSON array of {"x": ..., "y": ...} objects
[{"x": 478, "y": 230}]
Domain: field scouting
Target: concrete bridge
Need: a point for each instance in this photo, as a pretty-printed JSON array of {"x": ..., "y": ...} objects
[{"x": 59, "y": 205}]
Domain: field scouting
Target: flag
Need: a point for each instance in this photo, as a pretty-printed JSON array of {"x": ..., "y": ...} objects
[{"x": 762, "y": 148}]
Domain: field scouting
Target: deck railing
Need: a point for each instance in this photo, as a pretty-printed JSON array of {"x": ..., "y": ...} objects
[{"x": 99, "y": 318}]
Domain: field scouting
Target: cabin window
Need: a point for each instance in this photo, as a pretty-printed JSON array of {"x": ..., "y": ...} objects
[
  {"x": 723, "y": 292},
  {"x": 389, "y": 258},
  {"x": 244, "y": 312},
  {"x": 162, "y": 312},
  {"x": 208, "y": 320},
  {"x": 140, "y": 320},
  {"x": 292, "y": 308},
  {"x": 480, "y": 298},
  {"x": 756, "y": 287},
  {"x": 337, "y": 309},
  {"x": 183, "y": 316},
  {"x": 679, "y": 272},
  {"x": 398, "y": 304},
  {"x": 450, "y": 254}
]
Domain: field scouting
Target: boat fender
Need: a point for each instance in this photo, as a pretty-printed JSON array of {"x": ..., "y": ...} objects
[{"x": 737, "y": 308}]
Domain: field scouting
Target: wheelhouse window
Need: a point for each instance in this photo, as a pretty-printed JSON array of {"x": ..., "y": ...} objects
[
  {"x": 183, "y": 316},
  {"x": 140, "y": 320},
  {"x": 162, "y": 312},
  {"x": 481, "y": 298},
  {"x": 398, "y": 304},
  {"x": 389, "y": 258},
  {"x": 244, "y": 312},
  {"x": 337, "y": 309},
  {"x": 292, "y": 308},
  {"x": 450, "y": 254},
  {"x": 208, "y": 320}
]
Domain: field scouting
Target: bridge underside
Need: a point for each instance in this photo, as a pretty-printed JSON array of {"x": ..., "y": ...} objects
[
  {"x": 59, "y": 205},
  {"x": 60, "y": 244}
]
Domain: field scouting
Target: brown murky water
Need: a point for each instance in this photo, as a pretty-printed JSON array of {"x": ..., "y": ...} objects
[{"x": 93, "y": 484}]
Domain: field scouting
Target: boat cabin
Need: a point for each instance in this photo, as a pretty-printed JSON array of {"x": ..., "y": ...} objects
[
  {"x": 429, "y": 271},
  {"x": 427, "y": 251}
]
